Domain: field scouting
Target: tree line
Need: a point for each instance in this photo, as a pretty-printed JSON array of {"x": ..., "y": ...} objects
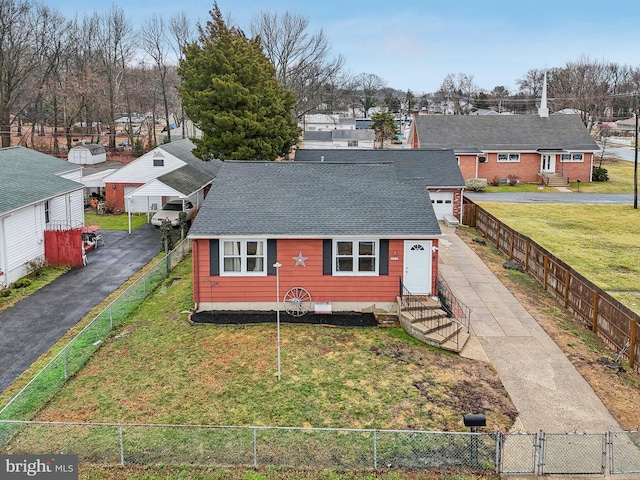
[{"x": 77, "y": 76}]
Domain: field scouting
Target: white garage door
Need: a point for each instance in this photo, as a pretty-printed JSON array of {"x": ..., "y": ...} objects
[{"x": 442, "y": 203}]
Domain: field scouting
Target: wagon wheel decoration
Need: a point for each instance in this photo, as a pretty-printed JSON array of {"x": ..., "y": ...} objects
[{"x": 297, "y": 301}]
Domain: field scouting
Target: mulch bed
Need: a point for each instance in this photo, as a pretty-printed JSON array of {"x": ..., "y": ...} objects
[{"x": 338, "y": 319}]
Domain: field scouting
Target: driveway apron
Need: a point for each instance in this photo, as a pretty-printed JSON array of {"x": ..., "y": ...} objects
[
  {"x": 549, "y": 393},
  {"x": 31, "y": 326}
]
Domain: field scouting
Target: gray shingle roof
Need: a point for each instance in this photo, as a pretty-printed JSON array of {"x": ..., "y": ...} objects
[
  {"x": 27, "y": 177},
  {"x": 323, "y": 135},
  {"x": 183, "y": 149},
  {"x": 307, "y": 199},
  {"x": 186, "y": 179},
  {"x": 353, "y": 134},
  {"x": 439, "y": 168},
  {"x": 503, "y": 132}
]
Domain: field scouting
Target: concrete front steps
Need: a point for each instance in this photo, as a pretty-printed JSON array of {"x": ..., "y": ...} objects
[
  {"x": 431, "y": 324},
  {"x": 556, "y": 180}
]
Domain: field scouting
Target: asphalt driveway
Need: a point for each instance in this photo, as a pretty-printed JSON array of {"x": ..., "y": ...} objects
[{"x": 34, "y": 324}]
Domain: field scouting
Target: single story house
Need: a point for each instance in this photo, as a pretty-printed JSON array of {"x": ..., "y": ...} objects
[
  {"x": 87, "y": 154},
  {"x": 534, "y": 148},
  {"x": 326, "y": 122},
  {"x": 122, "y": 186},
  {"x": 346, "y": 233},
  {"x": 38, "y": 192},
  {"x": 339, "y": 139},
  {"x": 437, "y": 169}
]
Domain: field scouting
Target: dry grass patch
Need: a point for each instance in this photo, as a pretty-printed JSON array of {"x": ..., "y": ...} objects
[{"x": 161, "y": 369}]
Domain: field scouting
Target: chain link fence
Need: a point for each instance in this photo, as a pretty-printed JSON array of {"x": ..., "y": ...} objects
[
  {"x": 317, "y": 448},
  {"x": 327, "y": 448},
  {"x": 76, "y": 353}
]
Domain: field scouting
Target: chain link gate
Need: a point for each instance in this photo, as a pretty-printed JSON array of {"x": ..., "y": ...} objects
[
  {"x": 572, "y": 453},
  {"x": 518, "y": 453},
  {"x": 624, "y": 452}
]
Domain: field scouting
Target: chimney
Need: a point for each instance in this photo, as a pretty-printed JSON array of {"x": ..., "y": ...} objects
[{"x": 543, "y": 111}]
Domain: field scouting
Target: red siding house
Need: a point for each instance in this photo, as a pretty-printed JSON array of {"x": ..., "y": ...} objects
[
  {"x": 346, "y": 233},
  {"x": 533, "y": 148},
  {"x": 437, "y": 169}
]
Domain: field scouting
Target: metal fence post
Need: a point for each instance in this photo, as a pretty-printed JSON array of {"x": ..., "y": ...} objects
[
  {"x": 255, "y": 448},
  {"x": 121, "y": 445},
  {"x": 541, "y": 453},
  {"x": 375, "y": 449},
  {"x": 498, "y": 449}
]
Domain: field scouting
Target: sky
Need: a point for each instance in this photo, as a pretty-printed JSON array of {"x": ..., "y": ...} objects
[{"x": 415, "y": 44}]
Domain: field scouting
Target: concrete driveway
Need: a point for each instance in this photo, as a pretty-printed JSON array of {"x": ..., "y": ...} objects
[{"x": 34, "y": 324}]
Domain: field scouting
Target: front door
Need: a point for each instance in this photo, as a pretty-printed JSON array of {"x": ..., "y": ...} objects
[
  {"x": 417, "y": 267},
  {"x": 548, "y": 164}
]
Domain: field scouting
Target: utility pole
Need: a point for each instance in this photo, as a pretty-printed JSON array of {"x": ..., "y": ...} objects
[{"x": 635, "y": 157}]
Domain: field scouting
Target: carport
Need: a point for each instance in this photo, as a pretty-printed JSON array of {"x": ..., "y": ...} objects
[{"x": 185, "y": 183}]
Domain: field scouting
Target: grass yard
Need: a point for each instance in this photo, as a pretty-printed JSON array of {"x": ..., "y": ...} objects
[
  {"x": 602, "y": 242},
  {"x": 159, "y": 368},
  {"x": 620, "y": 181},
  {"x": 114, "y": 221}
]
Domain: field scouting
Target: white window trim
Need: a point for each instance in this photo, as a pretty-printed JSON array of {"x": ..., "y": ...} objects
[
  {"x": 509, "y": 155},
  {"x": 572, "y": 157},
  {"x": 355, "y": 241},
  {"x": 243, "y": 258}
]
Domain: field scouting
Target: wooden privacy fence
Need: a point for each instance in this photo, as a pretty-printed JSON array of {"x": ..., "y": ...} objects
[{"x": 615, "y": 323}]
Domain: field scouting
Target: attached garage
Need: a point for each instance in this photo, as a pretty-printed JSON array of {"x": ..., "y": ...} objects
[{"x": 442, "y": 203}]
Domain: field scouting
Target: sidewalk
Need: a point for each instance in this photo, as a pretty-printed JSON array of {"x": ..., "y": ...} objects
[{"x": 546, "y": 389}]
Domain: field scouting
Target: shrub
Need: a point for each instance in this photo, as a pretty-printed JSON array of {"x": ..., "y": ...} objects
[
  {"x": 5, "y": 292},
  {"x": 599, "y": 174},
  {"x": 476, "y": 184},
  {"x": 496, "y": 181},
  {"x": 513, "y": 180},
  {"x": 22, "y": 283}
]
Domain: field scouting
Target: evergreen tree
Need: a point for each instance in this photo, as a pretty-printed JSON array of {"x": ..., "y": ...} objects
[
  {"x": 229, "y": 89},
  {"x": 385, "y": 127}
]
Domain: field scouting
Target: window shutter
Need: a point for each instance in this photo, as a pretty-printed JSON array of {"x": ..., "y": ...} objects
[
  {"x": 383, "y": 268},
  {"x": 327, "y": 260},
  {"x": 214, "y": 257},
  {"x": 272, "y": 256}
]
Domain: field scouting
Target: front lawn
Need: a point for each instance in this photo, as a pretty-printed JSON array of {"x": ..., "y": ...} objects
[
  {"x": 602, "y": 242},
  {"x": 159, "y": 368}
]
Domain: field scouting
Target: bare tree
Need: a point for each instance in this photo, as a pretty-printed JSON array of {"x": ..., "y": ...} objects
[
  {"x": 24, "y": 40},
  {"x": 114, "y": 45},
  {"x": 458, "y": 91},
  {"x": 183, "y": 34},
  {"x": 157, "y": 45},
  {"x": 367, "y": 91},
  {"x": 303, "y": 60}
]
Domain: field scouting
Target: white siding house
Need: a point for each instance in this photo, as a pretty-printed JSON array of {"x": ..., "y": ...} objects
[
  {"x": 35, "y": 196},
  {"x": 121, "y": 185}
]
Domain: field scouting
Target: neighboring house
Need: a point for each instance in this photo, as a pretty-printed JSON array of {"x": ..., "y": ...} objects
[
  {"x": 347, "y": 233},
  {"x": 339, "y": 139},
  {"x": 87, "y": 154},
  {"x": 125, "y": 182},
  {"x": 534, "y": 148},
  {"x": 325, "y": 122},
  {"x": 438, "y": 171},
  {"x": 627, "y": 125},
  {"x": 37, "y": 193}
]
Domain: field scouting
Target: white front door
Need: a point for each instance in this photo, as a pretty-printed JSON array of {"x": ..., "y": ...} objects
[
  {"x": 417, "y": 267},
  {"x": 548, "y": 163}
]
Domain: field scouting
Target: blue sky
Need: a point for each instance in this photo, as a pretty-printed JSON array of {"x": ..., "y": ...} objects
[{"x": 416, "y": 43}]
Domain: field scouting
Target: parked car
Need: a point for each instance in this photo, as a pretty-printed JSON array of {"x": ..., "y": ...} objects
[{"x": 171, "y": 211}]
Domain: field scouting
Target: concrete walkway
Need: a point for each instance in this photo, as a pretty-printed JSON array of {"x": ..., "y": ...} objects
[{"x": 547, "y": 390}]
